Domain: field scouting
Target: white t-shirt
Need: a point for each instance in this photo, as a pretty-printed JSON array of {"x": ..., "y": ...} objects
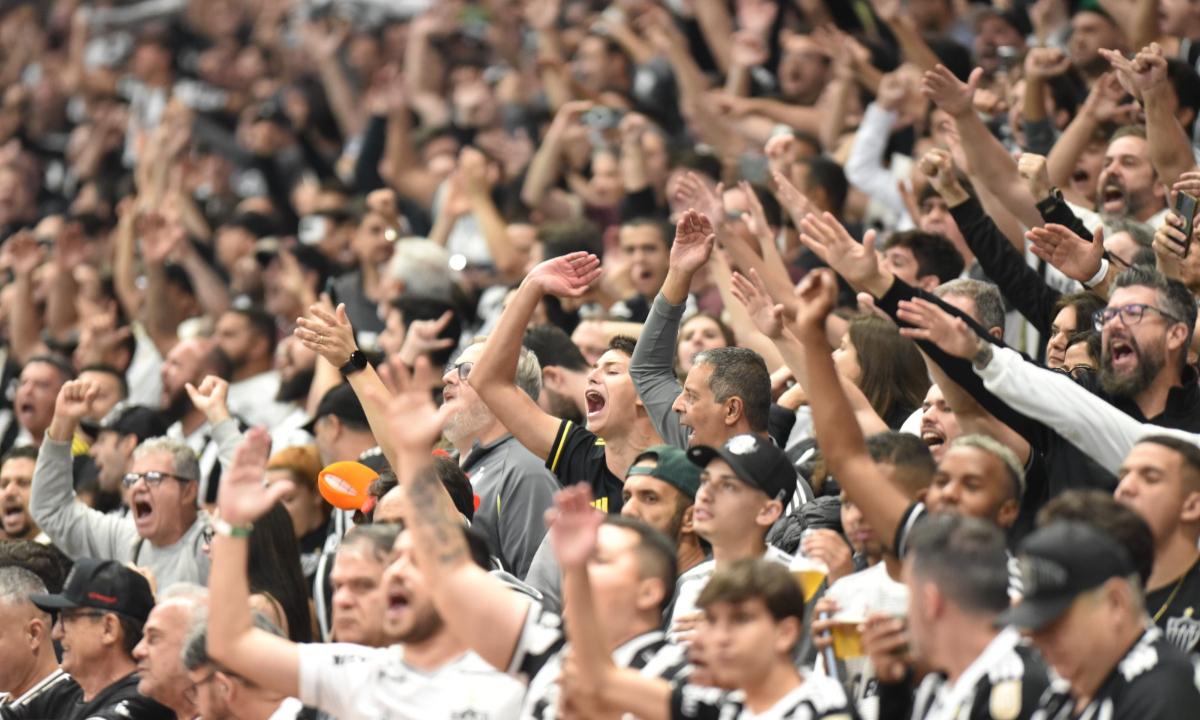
[
  {"x": 352, "y": 682},
  {"x": 692, "y": 583},
  {"x": 818, "y": 697}
]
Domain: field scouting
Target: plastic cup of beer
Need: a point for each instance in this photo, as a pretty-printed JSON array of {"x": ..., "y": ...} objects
[
  {"x": 847, "y": 642},
  {"x": 809, "y": 575}
]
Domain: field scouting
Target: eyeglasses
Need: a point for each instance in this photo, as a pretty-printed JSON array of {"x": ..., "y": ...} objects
[
  {"x": 64, "y": 615},
  {"x": 1076, "y": 372},
  {"x": 463, "y": 370},
  {"x": 191, "y": 693},
  {"x": 152, "y": 478},
  {"x": 1130, "y": 315}
]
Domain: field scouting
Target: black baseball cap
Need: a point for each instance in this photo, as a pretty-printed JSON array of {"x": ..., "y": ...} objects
[
  {"x": 756, "y": 461},
  {"x": 103, "y": 585},
  {"x": 144, "y": 422},
  {"x": 340, "y": 402},
  {"x": 1060, "y": 562}
]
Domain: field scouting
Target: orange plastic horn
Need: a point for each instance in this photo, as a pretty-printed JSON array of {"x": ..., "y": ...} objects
[{"x": 344, "y": 484}]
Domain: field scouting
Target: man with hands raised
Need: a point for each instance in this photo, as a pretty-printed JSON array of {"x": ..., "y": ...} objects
[
  {"x": 429, "y": 674},
  {"x": 164, "y": 531},
  {"x": 619, "y": 427}
]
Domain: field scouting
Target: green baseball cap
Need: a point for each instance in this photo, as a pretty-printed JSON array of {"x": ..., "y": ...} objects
[{"x": 671, "y": 466}]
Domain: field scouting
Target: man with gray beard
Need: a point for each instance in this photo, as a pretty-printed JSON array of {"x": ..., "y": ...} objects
[{"x": 513, "y": 485}]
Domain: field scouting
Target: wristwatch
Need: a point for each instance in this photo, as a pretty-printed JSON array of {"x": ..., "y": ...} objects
[
  {"x": 984, "y": 356},
  {"x": 1054, "y": 198},
  {"x": 356, "y": 363}
]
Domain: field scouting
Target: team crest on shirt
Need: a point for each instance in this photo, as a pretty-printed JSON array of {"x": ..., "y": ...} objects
[
  {"x": 1183, "y": 632},
  {"x": 743, "y": 445},
  {"x": 1005, "y": 701}
]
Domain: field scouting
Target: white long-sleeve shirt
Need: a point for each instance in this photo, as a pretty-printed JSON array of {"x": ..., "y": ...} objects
[
  {"x": 864, "y": 164},
  {"x": 1086, "y": 421}
]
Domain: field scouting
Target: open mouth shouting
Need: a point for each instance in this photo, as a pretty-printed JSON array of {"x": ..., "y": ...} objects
[
  {"x": 934, "y": 437},
  {"x": 1112, "y": 196},
  {"x": 596, "y": 402},
  {"x": 1122, "y": 353},
  {"x": 398, "y": 602},
  {"x": 13, "y": 520},
  {"x": 142, "y": 505}
]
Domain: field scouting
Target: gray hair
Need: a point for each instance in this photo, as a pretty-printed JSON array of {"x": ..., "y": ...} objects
[
  {"x": 529, "y": 370},
  {"x": 184, "y": 462},
  {"x": 423, "y": 266},
  {"x": 989, "y": 304},
  {"x": 17, "y": 584},
  {"x": 197, "y": 595},
  {"x": 195, "y": 649},
  {"x": 1141, "y": 233},
  {"x": 1004, "y": 453},
  {"x": 741, "y": 373}
]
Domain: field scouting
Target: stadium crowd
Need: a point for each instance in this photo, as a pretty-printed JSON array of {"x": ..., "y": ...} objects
[{"x": 563, "y": 360}]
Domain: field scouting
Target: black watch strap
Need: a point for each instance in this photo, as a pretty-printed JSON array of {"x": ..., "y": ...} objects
[
  {"x": 356, "y": 363},
  {"x": 1054, "y": 198}
]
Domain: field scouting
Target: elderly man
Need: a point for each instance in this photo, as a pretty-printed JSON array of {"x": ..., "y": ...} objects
[
  {"x": 101, "y": 612},
  {"x": 32, "y": 685},
  {"x": 159, "y": 655},
  {"x": 164, "y": 532}
]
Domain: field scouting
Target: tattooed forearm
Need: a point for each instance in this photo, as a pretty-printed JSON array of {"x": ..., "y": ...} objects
[{"x": 433, "y": 519}]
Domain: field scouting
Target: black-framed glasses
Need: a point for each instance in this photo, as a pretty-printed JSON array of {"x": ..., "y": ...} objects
[
  {"x": 1130, "y": 314},
  {"x": 65, "y": 615},
  {"x": 463, "y": 370},
  {"x": 1076, "y": 372},
  {"x": 152, "y": 478}
]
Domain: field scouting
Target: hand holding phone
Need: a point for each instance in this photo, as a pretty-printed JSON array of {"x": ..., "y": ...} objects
[{"x": 1185, "y": 208}]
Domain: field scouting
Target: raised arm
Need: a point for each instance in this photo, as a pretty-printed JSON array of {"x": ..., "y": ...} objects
[
  {"x": 75, "y": 528},
  {"x": 1004, "y": 265},
  {"x": 488, "y": 616},
  {"x": 61, "y": 311},
  {"x": 994, "y": 166},
  {"x": 494, "y": 375},
  {"x": 328, "y": 333},
  {"x": 25, "y": 321},
  {"x": 158, "y": 242},
  {"x": 841, "y": 440},
  {"x": 1170, "y": 146},
  {"x": 546, "y": 166},
  {"x": 590, "y": 675},
  {"x": 1093, "y": 425},
  {"x": 267, "y": 660},
  {"x": 652, "y": 366}
]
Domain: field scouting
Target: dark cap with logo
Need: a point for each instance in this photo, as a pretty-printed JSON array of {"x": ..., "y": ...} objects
[
  {"x": 671, "y": 465},
  {"x": 144, "y": 422},
  {"x": 102, "y": 585},
  {"x": 756, "y": 461},
  {"x": 1059, "y": 563},
  {"x": 342, "y": 403}
]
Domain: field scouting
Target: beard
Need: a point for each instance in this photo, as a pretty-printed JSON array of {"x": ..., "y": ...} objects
[
  {"x": 1132, "y": 383},
  {"x": 561, "y": 407},
  {"x": 467, "y": 422},
  {"x": 177, "y": 406},
  {"x": 426, "y": 626},
  {"x": 296, "y": 388}
]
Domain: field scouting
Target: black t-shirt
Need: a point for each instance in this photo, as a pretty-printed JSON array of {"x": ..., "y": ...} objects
[
  {"x": 1154, "y": 681},
  {"x": 1176, "y": 609},
  {"x": 52, "y": 698},
  {"x": 119, "y": 701},
  {"x": 1009, "y": 688},
  {"x": 579, "y": 456}
]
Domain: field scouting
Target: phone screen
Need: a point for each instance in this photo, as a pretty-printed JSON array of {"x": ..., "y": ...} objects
[{"x": 1185, "y": 208}]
